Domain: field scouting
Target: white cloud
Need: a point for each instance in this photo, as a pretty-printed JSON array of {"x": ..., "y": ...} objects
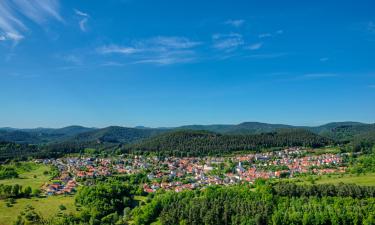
[
  {"x": 80, "y": 13},
  {"x": 173, "y": 42},
  {"x": 39, "y": 10},
  {"x": 159, "y": 50},
  {"x": 12, "y": 14},
  {"x": 110, "y": 49},
  {"x": 324, "y": 59},
  {"x": 265, "y": 35},
  {"x": 255, "y": 46},
  {"x": 227, "y": 42},
  {"x": 235, "y": 23},
  {"x": 84, "y": 18}
]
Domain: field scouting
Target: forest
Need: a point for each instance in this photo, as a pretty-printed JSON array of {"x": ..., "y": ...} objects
[{"x": 112, "y": 202}]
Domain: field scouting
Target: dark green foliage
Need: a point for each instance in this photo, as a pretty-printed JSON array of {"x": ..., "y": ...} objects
[
  {"x": 240, "y": 205},
  {"x": 203, "y": 142},
  {"x": 7, "y": 172},
  {"x": 102, "y": 200},
  {"x": 115, "y": 134},
  {"x": 323, "y": 190}
]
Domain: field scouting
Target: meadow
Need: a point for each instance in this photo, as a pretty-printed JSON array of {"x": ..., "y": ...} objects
[
  {"x": 367, "y": 179},
  {"x": 30, "y": 174},
  {"x": 47, "y": 207}
]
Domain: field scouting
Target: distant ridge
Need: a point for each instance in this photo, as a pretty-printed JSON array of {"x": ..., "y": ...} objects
[{"x": 340, "y": 131}]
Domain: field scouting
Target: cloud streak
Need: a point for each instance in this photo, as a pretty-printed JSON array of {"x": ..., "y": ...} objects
[
  {"x": 318, "y": 75},
  {"x": 13, "y": 13},
  {"x": 235, "y": 23},
  {"x": 227, "y": 42},
  {"x": 255, "y": 46},
  {"x": 160, "y": 50},
  {"x": 84, "y": 18}
]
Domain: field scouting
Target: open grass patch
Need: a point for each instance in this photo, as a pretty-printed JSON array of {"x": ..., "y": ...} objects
[
  {"x": 30, "y": 174},
  {"x": 46, "y": 207}
]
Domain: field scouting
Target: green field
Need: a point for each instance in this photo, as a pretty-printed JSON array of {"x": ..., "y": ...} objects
[
  {"x": 33, "y": 178},
  {"x": 47, "y": 207},
  {"x": 361, "y": 179}
]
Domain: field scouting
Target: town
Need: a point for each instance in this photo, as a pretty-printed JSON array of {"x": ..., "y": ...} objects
[{"x": 177, "y": 174}]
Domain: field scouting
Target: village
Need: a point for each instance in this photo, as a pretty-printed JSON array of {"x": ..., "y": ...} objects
[{"x": 177, "y": 174}]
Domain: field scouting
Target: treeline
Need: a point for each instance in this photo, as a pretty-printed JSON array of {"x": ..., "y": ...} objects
[
  {"x": 10, "y": 151},
  {"x": 239, "y": 205},
  {"x": 113, "y": 202},
  {"x": 323, "y": 190},
  {"x": 7, "y": 172},
  {"x": 196, "y": 143},
  {"x": 15, "y": 191}
]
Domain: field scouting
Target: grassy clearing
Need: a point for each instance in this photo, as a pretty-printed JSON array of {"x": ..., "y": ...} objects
[
  {"x": 361, "y": 179},
  {"x": 47, "y": 207},
  {"x": 33, "y": 177}
]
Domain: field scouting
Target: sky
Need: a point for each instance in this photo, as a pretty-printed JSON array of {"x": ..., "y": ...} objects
[{"x": 169, "y": 63}]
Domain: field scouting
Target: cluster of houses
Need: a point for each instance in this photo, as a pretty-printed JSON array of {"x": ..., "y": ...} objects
[
  {"x": 64, "y": 184},
  {"x": 173, "y": 173}
]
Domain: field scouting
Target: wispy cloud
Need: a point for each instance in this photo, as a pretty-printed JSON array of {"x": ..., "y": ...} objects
[
  {"x": 324, "y": 59},
  {"x": 12, "y": 14},
  {"x": 160, "y": 50},
  {"x": 84, "y": 18},
  {"x": 227, "y": 42},
  {"x": 371, "y": 27},
  {"x": 255, "y": 46},
  {"x": 371, "y": 86},
  {"x": 268, "y": 35},
  {"x": 318, "y": 75},
  {"x": 268, "y": 55},
  {"x": 110, "y": 49},
  {"x": 265, "y": 35},
  {"x": 235, "y": 23},
  {"x": 74, "y": 59}
]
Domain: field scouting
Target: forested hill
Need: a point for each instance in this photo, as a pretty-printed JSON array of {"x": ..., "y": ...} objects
[
  {"x": 340, "y": 131},
  {"x": 40, "y": 135},
  {"x": 191, "y": 142},
  {"x": 115, "y": 134}
]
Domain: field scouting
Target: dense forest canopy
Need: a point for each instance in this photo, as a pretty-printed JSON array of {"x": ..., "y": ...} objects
[
  {"x": 213, "y": 139},
  {"x": 203, "y": 142}
]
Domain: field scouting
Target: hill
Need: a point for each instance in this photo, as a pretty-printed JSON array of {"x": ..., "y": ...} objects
[
  {"x": 40, "y": 135},
  {"x": 191, "y": 142},
  {"x": 115, "y": 134}
]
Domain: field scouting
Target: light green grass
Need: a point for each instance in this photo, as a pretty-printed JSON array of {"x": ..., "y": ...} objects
[
  {"x": 26, "y": 178},
  {"x": 140, "y": 198},
  {"x": 361, "y": 179},
  {"x": 47, "y": 207}
]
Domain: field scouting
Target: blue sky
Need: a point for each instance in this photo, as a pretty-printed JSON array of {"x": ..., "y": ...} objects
[{"x": 168, "y": 63}]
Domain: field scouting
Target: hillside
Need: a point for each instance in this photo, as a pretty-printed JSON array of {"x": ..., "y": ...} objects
[
  {"x": 338, "y": 131},
  {"x": 191, "y": 142},
  {"x": 40, "y": 135},
  {"x": 115, "y": 134}
]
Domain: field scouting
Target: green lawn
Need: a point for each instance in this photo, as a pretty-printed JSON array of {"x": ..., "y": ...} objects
[
  {"x": 26, "y": 178},
  {"x": 47, "y": 207}
]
